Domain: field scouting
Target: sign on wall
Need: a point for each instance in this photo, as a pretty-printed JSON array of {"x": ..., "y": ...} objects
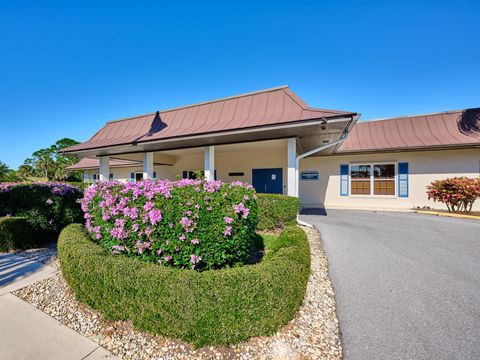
[{"x": 309, "y": 176}]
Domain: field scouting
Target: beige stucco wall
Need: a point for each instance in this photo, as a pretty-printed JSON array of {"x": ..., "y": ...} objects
[
  {"x": 225, "y": 163},
  {"x": 424, "y": 167}
]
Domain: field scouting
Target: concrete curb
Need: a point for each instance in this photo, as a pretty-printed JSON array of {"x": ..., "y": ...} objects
[{"x": 440, "y": 213}]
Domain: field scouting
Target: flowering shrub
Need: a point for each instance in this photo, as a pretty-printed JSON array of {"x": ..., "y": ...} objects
[
  {"x": 458, "y": 193},
  {"x": 195, "y": 224},
  {"x": 49, "y": 207}
]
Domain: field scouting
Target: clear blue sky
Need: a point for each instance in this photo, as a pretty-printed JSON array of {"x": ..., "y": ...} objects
[{"x": 67, "y": 67}]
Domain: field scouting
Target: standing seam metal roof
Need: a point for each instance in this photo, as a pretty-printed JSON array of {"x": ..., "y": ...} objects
[
  {"x": 269, "y": 107},
  {"x": 451, "y": 128}
]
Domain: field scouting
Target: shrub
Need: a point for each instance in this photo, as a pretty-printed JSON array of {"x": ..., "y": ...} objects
[
  {"x": 194, "y": 224},
  {"x": 276, "y": 210},
  {"x": 49, "y": 207},
  {"x": 212, "y": 307},
  {"x": 458, "y": 193},
  {"x": 16, "y": 233}
]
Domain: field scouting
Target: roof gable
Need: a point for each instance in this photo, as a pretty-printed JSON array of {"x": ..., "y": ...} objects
[{"x": 269, "y": 107}]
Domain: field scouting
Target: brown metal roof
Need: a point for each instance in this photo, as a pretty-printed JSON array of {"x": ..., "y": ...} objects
[
  {"x": 269, "y": 107},
  {"x": 439, "y": 130},
  {"x": 89, "y": 163}
]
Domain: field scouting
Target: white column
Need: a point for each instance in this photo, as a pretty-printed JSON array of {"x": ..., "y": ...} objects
[
  {"x": 209, "y": 162},
  {"x": 104, "y": 168},
  {"x": 148, "y": 165},
  {"x": 292, "y": 167}
]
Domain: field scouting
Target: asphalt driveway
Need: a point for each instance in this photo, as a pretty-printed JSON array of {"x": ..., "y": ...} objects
[{"x": 407, "y": 285}]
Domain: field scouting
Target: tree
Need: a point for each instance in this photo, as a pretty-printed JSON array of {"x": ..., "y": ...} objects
[
  {"x": 50, "y": 163},
  {"x": 4, "y": 171}
]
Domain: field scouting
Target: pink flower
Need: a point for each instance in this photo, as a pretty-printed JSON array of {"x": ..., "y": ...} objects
[
  {"x": 228, "y": 220},
  {"x": 195, "y": 259},
  {"x": 168, "y": 258},
  {"x": 49, "y": 201},
  {"x": 182, "y": 237},
  {"x": 155, "y": 216},
  {"x": 195, "y": 241},
  {"x": 228, "y": 231},
  {"x": 148, "y": 206}
]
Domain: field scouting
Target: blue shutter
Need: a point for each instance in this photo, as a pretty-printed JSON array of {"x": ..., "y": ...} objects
[
  {"x": 403, "y": 179},
  {"x": 344, "y": 180},
  {"x": 154, "y": 174},
  {"x": 185, "y": 175},
  {"x": 132, "y": 177},
  {"x": 94, "y": 177},
  {"x": 110, "y": 177}
]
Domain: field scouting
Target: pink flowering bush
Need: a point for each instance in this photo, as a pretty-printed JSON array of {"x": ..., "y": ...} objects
[
  {"x": 49, "y": 207},
  {"x": 194, "y": 224}
]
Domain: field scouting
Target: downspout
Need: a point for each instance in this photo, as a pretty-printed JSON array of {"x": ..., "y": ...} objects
[{"x": 342, "y": 137}]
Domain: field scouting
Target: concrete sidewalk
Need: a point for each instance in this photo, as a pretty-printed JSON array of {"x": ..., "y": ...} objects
[{"x": 28, "y": 333}]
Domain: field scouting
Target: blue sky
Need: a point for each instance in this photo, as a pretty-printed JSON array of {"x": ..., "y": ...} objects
[{"x": 67, "y": 67}]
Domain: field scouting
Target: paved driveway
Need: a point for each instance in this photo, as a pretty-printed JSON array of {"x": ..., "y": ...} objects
[{"x": 407, "y": 285}]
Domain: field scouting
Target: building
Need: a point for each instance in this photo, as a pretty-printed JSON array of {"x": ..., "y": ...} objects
[{"x": 275, "y": 141}]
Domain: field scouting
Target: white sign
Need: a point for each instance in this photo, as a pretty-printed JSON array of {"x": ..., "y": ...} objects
[{"x": 274, "y": 176}]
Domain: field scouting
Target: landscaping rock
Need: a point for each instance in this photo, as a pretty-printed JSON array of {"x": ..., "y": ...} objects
[{"x": 312, "y": 334}]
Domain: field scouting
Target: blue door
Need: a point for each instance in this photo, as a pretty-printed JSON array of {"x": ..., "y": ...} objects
[{"x": 268, "y": 181}]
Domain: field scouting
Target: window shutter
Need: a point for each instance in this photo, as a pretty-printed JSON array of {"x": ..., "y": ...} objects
[
  {"x": 344, "y": 180},
  {"x": 403, "y": 179},
  {"x": 132, "y": 177},
  {"x": 154, "y": 174},
  {"x": 185, "y": 175},
  {"x": 110, "y": 177},
  {"x": 94, "y": 177}
]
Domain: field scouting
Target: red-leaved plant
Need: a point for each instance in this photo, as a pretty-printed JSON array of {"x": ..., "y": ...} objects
[{"x": 458, "y": 193}]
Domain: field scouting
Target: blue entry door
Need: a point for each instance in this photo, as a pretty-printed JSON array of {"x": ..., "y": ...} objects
[{"x": 268, "y": 181}]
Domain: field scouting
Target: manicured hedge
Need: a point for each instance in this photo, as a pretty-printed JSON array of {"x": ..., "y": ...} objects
[
  {"x": 276, "y": 210},
  {"x": 212, "y": 307},
  {"x": 17, "y": 233},
  {"x": 49, "y": 207}
]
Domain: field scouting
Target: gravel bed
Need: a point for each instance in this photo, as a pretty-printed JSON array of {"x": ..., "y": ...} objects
[
  {"x": 312, "y": 334},
  {"x": 46, "y": 255}
]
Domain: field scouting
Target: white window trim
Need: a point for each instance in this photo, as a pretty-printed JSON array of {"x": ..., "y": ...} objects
[{"x": 371, "y": 164}]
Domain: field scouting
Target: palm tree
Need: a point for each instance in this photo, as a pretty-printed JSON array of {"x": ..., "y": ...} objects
[{"x": 4, "y": 171}]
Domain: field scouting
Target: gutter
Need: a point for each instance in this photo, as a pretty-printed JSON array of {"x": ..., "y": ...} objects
[{"x": 342, "y": 137}]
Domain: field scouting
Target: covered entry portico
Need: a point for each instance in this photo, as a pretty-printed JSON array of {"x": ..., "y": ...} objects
[{"x": 256, "y": 138}]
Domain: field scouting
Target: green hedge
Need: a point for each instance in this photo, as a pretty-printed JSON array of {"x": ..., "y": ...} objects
[
  {"x": 276, "y": 210},
  {"x": 17, "y": 233},
  {"x": 213, "y": 307}
]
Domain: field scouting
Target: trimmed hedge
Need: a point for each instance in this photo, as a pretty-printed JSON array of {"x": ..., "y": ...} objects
[
  {"x": 276, "y": 211},
  {"x": 213, "y": 307},
  {"x": 17, "y": 233}
]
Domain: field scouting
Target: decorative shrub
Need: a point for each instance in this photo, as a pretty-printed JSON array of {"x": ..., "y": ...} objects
[
  {"x": 458, "y": 193},
  {"x": 212, "y": 307},
  {"x": 275, "y": 211},
  {"x": 49, "y": 207},
  {"x": 188, "y": 223},
  {"x": 16, "y": 233}
]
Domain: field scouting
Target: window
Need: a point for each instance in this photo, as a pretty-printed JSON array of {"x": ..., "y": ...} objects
[
  {"x": 360, "y": 179},
  {"x": 372, "y": 179},
  {"x": 384, "y": 179}
]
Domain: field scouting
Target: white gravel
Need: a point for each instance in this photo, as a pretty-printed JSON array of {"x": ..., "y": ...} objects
[{"x": 312, "y": 334}]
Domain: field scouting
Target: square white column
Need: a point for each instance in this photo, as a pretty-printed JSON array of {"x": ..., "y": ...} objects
[
  {"x": 148, "y": 165},
  {"x": 104, "y": 168},
  {"x": 209, "y": 162},
  {"x": 292, "y": 167}
]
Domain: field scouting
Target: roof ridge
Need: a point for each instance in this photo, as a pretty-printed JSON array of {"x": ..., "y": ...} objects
[
  {"x": 202, "y": 103},
  {"x": 416, "y": 115}
]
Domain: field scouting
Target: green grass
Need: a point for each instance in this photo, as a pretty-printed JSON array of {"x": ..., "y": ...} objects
[{"x": 214, "y": 307}]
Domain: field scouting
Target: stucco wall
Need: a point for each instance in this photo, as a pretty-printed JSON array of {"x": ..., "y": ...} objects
[
  {"x": 225, "y": 163},
  {"x": 424, "y": 167}
]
